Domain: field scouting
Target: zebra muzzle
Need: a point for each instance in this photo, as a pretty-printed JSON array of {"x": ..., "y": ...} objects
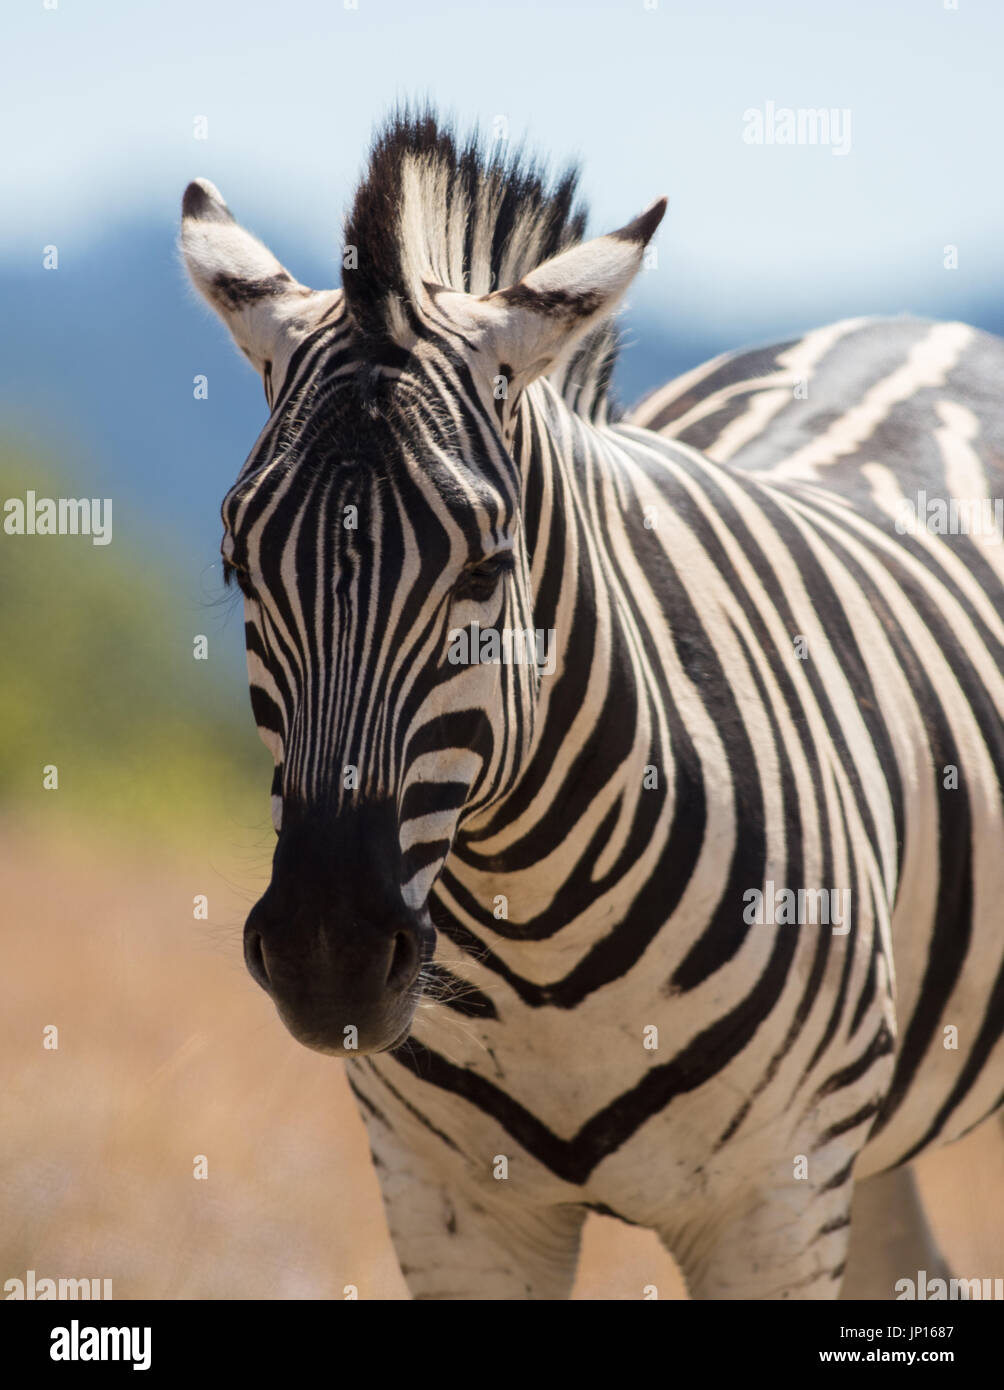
[{"x": 345, "y": 990}]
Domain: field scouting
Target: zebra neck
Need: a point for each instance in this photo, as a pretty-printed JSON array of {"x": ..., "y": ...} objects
[{"x": 599, "y": 771}]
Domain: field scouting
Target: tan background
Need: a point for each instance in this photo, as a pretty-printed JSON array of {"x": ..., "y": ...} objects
[{"x": 167, "y": 1050}]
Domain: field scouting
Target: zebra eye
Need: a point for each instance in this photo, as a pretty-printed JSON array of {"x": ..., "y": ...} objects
[
  {"x": 237, "y": 574},
  {"x": 480, "y": 581}
]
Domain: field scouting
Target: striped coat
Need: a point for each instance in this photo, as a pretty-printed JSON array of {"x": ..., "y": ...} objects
[{"x": 701, "y": 926}]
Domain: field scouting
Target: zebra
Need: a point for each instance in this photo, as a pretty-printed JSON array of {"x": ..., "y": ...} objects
[{"x": 523, "y": 905}]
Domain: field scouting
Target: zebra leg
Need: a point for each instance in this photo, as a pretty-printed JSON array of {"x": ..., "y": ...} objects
[
  {"x": 452, "y": 1244},
  {"x": 458, "y": 1239},
  {"x": 780, "y": 1239},
  {"x": 890, "y": 1237}
]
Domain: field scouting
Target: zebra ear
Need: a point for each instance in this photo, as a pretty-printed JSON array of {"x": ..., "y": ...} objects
[
  {"x": 239, "y": 277},
  {"x": 536, "y": 321}
]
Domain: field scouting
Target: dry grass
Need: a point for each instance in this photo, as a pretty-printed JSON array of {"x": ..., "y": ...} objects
[{"x": 166, "y": 1051}]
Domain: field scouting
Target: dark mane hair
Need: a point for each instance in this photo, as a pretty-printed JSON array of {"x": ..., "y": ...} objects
[{"x": 433, "y": 208}]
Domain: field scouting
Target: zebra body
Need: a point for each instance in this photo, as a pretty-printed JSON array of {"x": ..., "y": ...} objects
[{"x": 760, "y": 682}]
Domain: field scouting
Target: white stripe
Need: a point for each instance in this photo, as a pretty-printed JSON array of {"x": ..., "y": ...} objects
[
  {"x": 798, "y": 364},
  {"x": 928, "y": 364}
]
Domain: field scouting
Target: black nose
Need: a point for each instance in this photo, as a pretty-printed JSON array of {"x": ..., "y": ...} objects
[
  {"x": 332, "y": 941},
  {"x": 352, "y": 989}
]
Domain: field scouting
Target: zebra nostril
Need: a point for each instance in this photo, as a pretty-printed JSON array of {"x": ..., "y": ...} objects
[
  {"x": 254, "y": 958},
  {"x": 404, "y": 960}
]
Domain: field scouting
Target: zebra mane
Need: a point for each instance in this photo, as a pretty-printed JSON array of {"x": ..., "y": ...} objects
[{"x": 431, "y": 208}]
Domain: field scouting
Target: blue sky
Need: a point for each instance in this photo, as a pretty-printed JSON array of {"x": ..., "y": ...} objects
[{"x": 100, "y": 100}]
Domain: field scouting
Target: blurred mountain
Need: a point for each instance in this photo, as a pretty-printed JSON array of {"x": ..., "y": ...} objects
[
  {"x": 101, "y": 681},
  {"x": 97, "y": 368}
]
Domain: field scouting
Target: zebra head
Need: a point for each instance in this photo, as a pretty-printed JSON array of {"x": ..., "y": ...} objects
[{"x": 378, "y": 522}]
